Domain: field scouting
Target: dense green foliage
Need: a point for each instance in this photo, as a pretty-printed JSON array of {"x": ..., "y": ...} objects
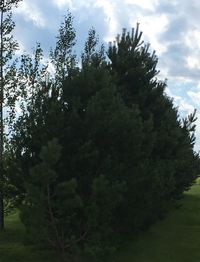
[
  {"x": 174, "y": 239},
  {"x": 98, "y": 152}
]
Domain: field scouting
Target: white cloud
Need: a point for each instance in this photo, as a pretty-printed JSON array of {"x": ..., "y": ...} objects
[
  {"x": 63, "y": 3},
  {"x": 192, "y": 38},
  {"x": 31, "y": 12},
  {"x": 193, "y": 62},
  {"x": 110, "y": 18},
  {"x": 184, "y": 106},
  {"x": 195, "y": 96},
  {"x": 146, "y": 4},
  {"x": 152, "y": 26}
]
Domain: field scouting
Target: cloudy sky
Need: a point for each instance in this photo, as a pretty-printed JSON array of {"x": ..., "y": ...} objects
[{"x": 172, "y": 28}]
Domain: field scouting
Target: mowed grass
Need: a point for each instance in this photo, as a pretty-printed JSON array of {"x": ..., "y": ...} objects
[
  {"x": 12, "y": 248},
  {"x": 175, "y": 239}
]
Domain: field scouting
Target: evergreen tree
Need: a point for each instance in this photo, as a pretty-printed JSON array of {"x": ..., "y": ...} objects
[
  {"x": 99, "y": 148},
  {"x": 51, "y": 208}
]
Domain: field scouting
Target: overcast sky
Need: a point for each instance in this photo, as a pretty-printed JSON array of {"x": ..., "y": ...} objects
[{"x": 172, "y": 28}]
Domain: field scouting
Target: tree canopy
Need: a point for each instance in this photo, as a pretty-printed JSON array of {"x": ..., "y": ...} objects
[{"x": 99, "y": 151}]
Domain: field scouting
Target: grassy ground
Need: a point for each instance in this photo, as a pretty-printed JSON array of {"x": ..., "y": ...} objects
[
  {"x": 12, "y": 248},
  {"x": 175, "y": 239}
]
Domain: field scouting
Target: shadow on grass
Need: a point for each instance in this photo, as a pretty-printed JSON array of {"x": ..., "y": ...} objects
[
  {"x": 12, "y": 247},
  {"x": 174, "y": 239}
]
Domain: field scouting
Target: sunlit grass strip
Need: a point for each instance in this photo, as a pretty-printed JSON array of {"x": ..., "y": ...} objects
[{"x": 175, "y": 239}]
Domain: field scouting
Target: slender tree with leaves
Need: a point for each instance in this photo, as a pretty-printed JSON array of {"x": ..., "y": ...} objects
[{"x": 7, "y": 69}]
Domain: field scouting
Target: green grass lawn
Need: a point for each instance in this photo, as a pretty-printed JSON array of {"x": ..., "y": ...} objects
[
  {"x": 12, "y": 248},
  {"x": 175, "y": 239}
]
